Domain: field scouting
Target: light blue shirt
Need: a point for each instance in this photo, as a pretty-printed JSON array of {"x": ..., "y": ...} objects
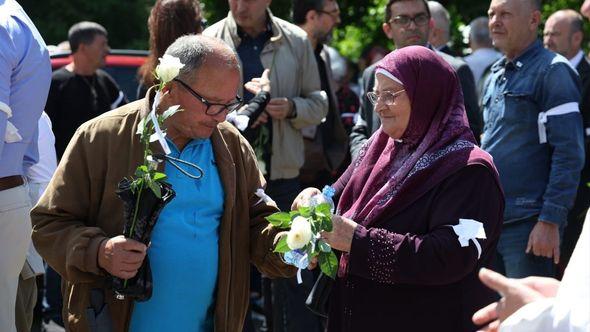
[
  {"x": 25, "y": 75},
  {"x": 184, "y": 249}
]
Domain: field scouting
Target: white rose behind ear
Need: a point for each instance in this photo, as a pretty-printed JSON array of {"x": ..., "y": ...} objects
[
  {"x": 300, "y": 233},
  {"x": 168, "y": 68}
]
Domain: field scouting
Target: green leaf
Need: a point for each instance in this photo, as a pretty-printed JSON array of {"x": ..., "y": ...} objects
[
  {"x": 159, "y": 176},
  {"x": 155, "y": 188},
  {"x": 324, "y": 209},
  {"x": 304, "y": 211},
  {"x": 141, "y": 171},
  {"x": 327, "y": 224},
  {"x": 280, "y": 219},
  {"x": 324, "y": 247},
  {"x": 328, "y": 264},
  {"x": 282, "y": 246}
]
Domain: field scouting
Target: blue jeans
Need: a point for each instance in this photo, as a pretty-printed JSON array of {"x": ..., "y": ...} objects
[{"x": 512, "y": 260}]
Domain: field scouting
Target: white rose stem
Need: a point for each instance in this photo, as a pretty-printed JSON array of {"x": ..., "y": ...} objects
[{"x": 158, "y": 131}]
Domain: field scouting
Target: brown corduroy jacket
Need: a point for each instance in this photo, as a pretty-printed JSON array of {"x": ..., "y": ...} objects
[{"x": 79, "y": 209}]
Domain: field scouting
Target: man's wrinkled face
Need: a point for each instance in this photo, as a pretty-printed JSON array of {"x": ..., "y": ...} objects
[
  {"x": 214, "y": 82},
  {"x": 409, "y": 24},
  {"x": 557, "y": 35},
  {"x": 248, "y": 13},
  {"x": 96, "y": 51}
]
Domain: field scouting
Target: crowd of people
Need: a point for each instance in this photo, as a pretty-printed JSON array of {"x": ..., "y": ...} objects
[{"x": 461, "y": 183}]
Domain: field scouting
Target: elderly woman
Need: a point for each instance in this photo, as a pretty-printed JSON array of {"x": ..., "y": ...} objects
[{"x": 421, "y": 208}]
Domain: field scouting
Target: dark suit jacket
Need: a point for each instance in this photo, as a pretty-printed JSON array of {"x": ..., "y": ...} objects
[
  {"x": 447, "y": 50},
  {"x": 369, "y": 121}
]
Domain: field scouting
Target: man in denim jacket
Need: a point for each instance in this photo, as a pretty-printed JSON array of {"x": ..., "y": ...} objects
[{"x": 533, "y": 129}]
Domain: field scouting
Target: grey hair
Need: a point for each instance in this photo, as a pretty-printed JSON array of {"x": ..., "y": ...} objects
[
  {"x": 479, "y": 31},
  {"x": 441, "y": 16},
  {"x": 196, "y": 50}
]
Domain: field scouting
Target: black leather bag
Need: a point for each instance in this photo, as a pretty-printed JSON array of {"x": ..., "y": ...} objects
[{"x": 318, "y": 299}]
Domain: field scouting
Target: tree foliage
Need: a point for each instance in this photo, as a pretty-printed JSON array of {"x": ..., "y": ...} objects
[{"x": 126, "y": 20}]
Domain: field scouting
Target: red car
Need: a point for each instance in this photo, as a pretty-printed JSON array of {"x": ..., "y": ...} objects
[{"x": 122, "y": 65}]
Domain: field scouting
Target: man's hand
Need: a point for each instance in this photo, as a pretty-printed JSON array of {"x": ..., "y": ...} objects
[
  {"x": 121, "y": 257},
  {"x": 262, "y": 119},
  {"x": 340, "y": 238},
  {"x": 279, "y": 108},
  {"x": 258, "y": 84},
  {"x": 304, "y": 197},
  {"x": 515, "y": 294},
  {"x": 544, "y": 240}
]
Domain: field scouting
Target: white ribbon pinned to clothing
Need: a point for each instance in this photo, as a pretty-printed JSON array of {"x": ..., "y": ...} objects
[
  {"x": 301, "y": 261},
  {"x": 159, "y": 135},
  {"x": 263, "y": 197},
  {"x": 469, "y": 229},
  {"x": 558, "y": 110},
  {"x": 239, "y": 120},
  {"x": 11, "y": 135}
]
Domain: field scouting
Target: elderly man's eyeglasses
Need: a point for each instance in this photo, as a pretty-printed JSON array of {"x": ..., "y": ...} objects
[
  {"x": 404, "y": 21},
  {"x": 386, "y": 97},
  {"x": 212, "y": 108}
]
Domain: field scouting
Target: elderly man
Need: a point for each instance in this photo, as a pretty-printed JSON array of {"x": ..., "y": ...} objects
[
  {"x": 564, "y": 34},
  {"x": 533, "y": 129},
  {"x": 408, "y": 22},
  {"x": 204, "y": 240},
  {"x": 440, "y": 34}
]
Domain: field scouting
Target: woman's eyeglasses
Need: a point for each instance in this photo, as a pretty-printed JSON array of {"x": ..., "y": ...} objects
[
  {"x": 386, "y": 97},
  {"x": 212, "y": 108}
]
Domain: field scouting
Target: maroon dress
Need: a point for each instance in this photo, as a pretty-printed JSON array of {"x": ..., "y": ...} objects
[{"x": 410, "y": 273}]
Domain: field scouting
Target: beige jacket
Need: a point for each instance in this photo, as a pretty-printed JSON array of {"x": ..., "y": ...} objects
[
  {"x": 79, "y": 209},
  {"x": 293, "y": 74}
]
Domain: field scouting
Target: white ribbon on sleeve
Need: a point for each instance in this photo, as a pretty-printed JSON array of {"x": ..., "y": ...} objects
[
  {"x": 263, "y": 197},
  {"x": 11, "y": 135},
  {"x": 558, "y": 110},
  {"x": 239, "y": 120},
  {"x": 469, "y": 229}
]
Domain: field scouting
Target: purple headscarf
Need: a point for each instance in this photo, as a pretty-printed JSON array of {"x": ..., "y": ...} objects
[{"x": 388, "y": 175}]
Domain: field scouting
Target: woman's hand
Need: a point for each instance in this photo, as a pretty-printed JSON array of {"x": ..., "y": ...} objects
[
  {"x": 258, "y": 84},
  {"x": 340, "y": 238},
  {"x": 304, "y": 197}
]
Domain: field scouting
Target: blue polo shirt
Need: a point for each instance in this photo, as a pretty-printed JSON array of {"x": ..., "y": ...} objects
[
  {"x": 533, "y": 129},
  {"x": 184, "y": 252},
  {"x": 25, "y": 75}
]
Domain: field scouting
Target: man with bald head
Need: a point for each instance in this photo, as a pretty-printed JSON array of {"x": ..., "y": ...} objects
[
  {"x": 204, "y": 239},
  {"x": 533, "y": 129},
  {"x": 564, "y": 34}
]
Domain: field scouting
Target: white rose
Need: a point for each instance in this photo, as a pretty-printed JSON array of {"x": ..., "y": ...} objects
[
  {"x": 300, "y": 233},
  {"x": 168, "y": 68}
]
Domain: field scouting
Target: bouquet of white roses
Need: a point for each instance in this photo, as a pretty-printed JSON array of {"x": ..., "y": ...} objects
[{"x": 302, "y": 241}]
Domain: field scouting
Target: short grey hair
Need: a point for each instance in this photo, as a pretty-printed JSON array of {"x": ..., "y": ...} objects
[
  {"x": 479, "y": 32},
  {"x": 196, "y": 50},
  {"x": 441, "y": 16}
]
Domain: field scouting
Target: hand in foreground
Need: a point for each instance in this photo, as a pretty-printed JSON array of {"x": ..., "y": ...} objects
[
  {"x": 258, "y": 84},
  {"x": 340, "y": 238},
  {"x": 544, "y": 240},
  {"x": 304, "y": 197},
  {"x": 121, "y": 256},
  {"x": 515, "y": 294}
]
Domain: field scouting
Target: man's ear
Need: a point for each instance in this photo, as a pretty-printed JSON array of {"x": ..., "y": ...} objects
[
  {"x": 387, "y": 30},
  {"x": 577, "y": 38}
]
